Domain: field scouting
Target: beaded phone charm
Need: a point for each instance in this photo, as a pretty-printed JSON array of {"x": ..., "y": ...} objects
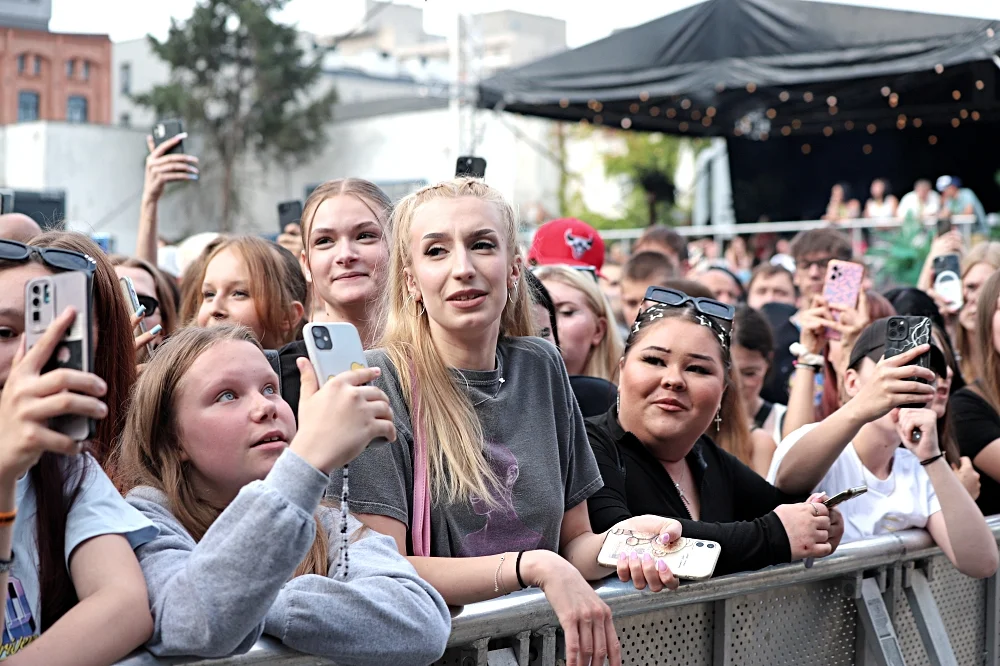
[{"x": 342, "y": 566}]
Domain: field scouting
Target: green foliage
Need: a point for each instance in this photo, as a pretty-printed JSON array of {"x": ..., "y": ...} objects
[
  {"x": 900, "y": 253},
  {"x": 243, "y": 82}
]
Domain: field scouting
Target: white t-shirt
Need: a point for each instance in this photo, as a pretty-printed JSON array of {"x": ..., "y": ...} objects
[
  {"x": 99, "y": 509},
  {"x": 910, "y": 203},
  {"x": 906, "y": 499}
]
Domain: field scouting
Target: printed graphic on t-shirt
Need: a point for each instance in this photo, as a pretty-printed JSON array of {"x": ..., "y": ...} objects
[
  {"x": 19, "y": 625},
  {"x": 503, "y": 530}
]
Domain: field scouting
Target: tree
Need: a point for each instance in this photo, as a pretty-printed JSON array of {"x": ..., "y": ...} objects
[{"x": 243, "y": 82}]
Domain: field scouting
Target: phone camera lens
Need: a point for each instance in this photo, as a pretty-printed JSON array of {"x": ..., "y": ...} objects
[
  {"x": 711, "y": 545},
  {"x": 35, "y": 302},
  {"x": 699, "y": 544},
  {"x": 318, "y": 333},
  {"x": 35, "y": 316},
  {"x": 35, "y": 289}
]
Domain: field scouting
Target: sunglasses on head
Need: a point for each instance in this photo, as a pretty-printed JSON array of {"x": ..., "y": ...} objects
[
  {"x": 149, "y": 302},
  {"x": 710, "y": 307},
  {"x": 64, "y": 260}
]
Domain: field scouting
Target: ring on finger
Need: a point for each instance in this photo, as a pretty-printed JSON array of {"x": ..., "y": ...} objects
[{"x": 815, "y": 510}]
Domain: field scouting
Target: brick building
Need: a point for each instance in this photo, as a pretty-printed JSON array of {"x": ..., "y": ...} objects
[{"x": 50, "y": 76}]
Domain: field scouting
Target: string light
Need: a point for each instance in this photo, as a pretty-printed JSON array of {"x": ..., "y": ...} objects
[
  {"x": 584, "y": 121},
  {"x": 696, "y": 115},
  {"x": 975, "y": 115},
  {"x": 831, "y": 101},
  {"x": 796, "y": 124},
  {"x": 867, "y": 149},
  {"x": 654, "y": 111},
  {"x": 955, "y": 122},
  {"x": 706, "y": 121},
  {"x": 806, "y": 149},
  {"x": 784, "y": 96},
  {"x": 849, "y": 125},
  {"x": 885, "y": 91},
  {"x": 671, "y": 113},
  {"x": 827, "y": 131},
  {"x": 751, "y": 87},
  {"x": 980, "y": 85},
  {"x": 719, "y": 87},
  {"x": 710, "y": 112},
  {"x": 990, "y": 33},
  {"x": 772, "y": 114},
  {"x": 786, "y": 131},
  {"x": 644, "y": 96},
  {"x": 963, "y": 114},
  {"x": 956, "y": 95},
  {"x": 683, "y": 126},
  {"x": 833, "y": 110},
  {"x": 598, "y": 119},
  {"x": 932, "y": 140},
  {"x": 626, "y": 123},
  {"x": 893, "y": 100},
  {"x": 564, "y": 102},
  {"x": 872, "y": 128},
  {"x": 685, "y": 104},
  {"x": 901, "y": 121},
  {"x": 633, "y": 108},
  {"x": 808, "y": 97},
  {"x": 737, "y": 132}
]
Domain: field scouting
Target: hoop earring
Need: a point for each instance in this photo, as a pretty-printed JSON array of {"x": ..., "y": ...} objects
[
  {"x": 512, "y": 294},
  {"x": 718, "y": 420},
  {"x": 406, "y": 306}
]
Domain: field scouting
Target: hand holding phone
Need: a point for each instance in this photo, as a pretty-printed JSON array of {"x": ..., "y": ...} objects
[
  {"x": 289, "y": 212},
  {"x": 29, "y": 404},
  {"x": 688, "y": 559},
  {"x": 845, "y": 495},
  {"x": 842, "y": 288},
  {"x": 132, "y": 301},
  {"x": 167, "y": 162}
]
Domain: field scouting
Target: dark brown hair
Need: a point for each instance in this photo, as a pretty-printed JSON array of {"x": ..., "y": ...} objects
[
  {"x": 814, "y": 241},
  {"x": 769, "y": 270},
  {"x": 647, "y": 265},
  {"x": 663, "y": 235}
]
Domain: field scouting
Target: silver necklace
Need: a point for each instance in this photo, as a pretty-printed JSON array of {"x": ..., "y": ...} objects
[
  {"x": 680, "y": 491},
  {"x": 499, "y": 382}
]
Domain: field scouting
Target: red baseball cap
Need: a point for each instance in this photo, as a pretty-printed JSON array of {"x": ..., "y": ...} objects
[{"x": 567, "y": 241}]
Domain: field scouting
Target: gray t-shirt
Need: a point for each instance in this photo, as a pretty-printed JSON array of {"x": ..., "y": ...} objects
[{"x": 535, "y": 440}]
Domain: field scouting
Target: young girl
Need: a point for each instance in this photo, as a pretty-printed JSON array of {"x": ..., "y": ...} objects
[
  {"x": 487, "y": 488},
  {"x": 73, "y": 572},
  {"x": 211, "y": 455},
  {"x": 753, "y": 351},
  {"x": 245, "y": 281},
  {"x": 590, "y": 342},
  {"x": 345, "y": 251},
  {"x": 153, "y": 290}
]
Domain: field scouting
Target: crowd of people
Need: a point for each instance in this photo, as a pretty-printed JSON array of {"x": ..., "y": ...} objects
[{"x": 534, "y": 399}]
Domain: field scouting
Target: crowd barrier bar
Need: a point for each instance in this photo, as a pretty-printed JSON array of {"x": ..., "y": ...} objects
[{"x": 887, "y": 601}]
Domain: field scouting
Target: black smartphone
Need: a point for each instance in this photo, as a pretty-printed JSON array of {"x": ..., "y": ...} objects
[
  {"x": 903, "y": 334},
  {"x": 943, "y": 226},
  {"x": 289, "y": 212},
  {"x": 6, "y": 201},
  {"x": 164, "y": 130},
  {"x": 845, "y": 495},
  {"x": 471, "y": 167}
]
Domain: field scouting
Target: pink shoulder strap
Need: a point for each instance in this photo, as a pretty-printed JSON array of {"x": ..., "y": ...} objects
[{"x": 420, "y": 523}]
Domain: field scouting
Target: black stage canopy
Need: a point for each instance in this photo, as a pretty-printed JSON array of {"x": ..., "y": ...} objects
[{"x": 768, "y": 68}]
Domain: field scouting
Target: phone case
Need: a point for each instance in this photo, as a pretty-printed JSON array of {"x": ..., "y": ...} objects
[
  {"x": 905, "y": 333},
  {"x": 334, "y": 348},
  {"x": 45, "y": 299},
  {"x": 132, "y": 300},
  {"x": 842, "y": 287},
  {"x": 845, "y": 495},
  {"x": 165, "y": 130},
  {"x": 688, "y": 559},
  {"x": 948, "y": 281},
  {"x": 289, "y": 212}
]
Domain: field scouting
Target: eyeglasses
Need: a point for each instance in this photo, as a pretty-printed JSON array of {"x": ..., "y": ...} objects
[
  {"x": 64, "y": 260},
  {"x": 717, "y": 310},
  {"x": 805, "y": 264},
  {"x": 149, "y": 303}
]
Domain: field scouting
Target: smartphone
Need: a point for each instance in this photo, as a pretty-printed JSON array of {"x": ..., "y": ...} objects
[
  {"x": 947, "y": 280},
  {"x": 164, "y": 130},
  {"x": 943, "y": 226},
  {"x": 6, "y": 201},
  {"x": 472, "y": 167},
  {"x": 45, "y": 299},
  {"x": 688, "y": 559},
  {"x": 132, "y": 300},
  {"x": 289, "y": 212},
  {"x": 842, "y": 497},
  {"x": 905, "y": 333},
  {"x": 334, "y": 348},
  {"x": 842, "y": 287}
]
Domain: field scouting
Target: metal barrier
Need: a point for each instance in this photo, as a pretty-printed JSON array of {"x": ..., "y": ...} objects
[{"x": 886, "y": 601}]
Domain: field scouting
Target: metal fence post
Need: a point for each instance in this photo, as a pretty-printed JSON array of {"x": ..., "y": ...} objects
[
  {"x": 928, "y": 618},
  {"x": 548, "y": 653},
  {"x": 993, "y": 620},
  {"x": 879, "y": 634},
  {"x": 722, "y": 629}
]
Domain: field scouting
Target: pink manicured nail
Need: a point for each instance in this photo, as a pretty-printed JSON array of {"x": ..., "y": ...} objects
[
  {"x": 647, "y": 558},
  {"x": 622, "y": 556},
  {"x": 661, "y": 565},
  {"x": 634, "y": 556}
]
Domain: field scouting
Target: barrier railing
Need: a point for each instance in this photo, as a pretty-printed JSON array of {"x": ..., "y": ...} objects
[{"x": 889, "y": 600}]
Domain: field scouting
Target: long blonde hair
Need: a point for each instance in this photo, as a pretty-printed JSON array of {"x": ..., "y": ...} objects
[
  {"x": 438, "y": 407},
  {"x": 987, "y": 252},
  {"x": 602, "y": 361},
  {"x": 150, "y": 450}
]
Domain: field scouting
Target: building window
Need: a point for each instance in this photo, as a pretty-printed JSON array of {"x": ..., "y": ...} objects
[
  {"x": 21, "y": 63},
  {"x": 70, "y": 68},
  {"x": 38, "y": 65},
  {"x": 86, "y": 70},
  {"x": 27, "y": 106},
  {"x": 125, "y": 120},
  {"x": 76, "y": 109},
  {"x": 125, "y": 76}
]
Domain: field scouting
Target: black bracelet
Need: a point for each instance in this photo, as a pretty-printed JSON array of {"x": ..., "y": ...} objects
[
  {"x": 517, "y": 570},
  {"x": 932, "y": 459}
]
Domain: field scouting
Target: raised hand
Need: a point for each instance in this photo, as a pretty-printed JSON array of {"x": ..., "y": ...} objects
[{"x": 162, "y": 168}]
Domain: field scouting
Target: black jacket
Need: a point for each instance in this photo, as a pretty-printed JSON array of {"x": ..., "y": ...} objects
[
  {"x": 288, "y": 373},
  {"x": 737, "y": 505}
]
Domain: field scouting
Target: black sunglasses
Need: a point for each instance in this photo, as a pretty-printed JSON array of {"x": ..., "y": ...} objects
[
  {"x": 717, "y": 310},
  {"x": 149, "y": 303},
  {"x": 64, "y": 260}
]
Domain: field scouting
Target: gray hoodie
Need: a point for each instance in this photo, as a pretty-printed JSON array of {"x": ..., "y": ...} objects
[{"x": 215, "y": 598}]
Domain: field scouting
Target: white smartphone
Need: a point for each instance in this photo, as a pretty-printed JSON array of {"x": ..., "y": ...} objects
[
  {"x": 688, "y": 559},
  {"x": 334, "y": 348},
  {"x": 132, "y": 300}
]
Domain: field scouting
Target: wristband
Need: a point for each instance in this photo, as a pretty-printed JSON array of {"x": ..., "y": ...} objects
[
  {"x": 517, "y": 570},
  {"x": 802, "y": 364},
  {"x": 932, "y": 459},
  {"x": 7, "y": 517},
  {"x": 805, "y": 357}
]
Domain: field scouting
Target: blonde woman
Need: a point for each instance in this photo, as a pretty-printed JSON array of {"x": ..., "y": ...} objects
[
  {"x": 486, "y": 488},
  {"x": 588, "y": 337},
  {"x": 977, "y": 266}
]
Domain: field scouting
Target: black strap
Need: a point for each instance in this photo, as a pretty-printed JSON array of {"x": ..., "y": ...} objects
[{"x": 274, "y": 358}]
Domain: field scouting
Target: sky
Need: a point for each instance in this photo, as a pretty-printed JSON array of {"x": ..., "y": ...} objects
[{"x": 586, "y": 20}]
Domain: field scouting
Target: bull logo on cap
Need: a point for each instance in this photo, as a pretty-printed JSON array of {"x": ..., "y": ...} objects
[{"x": 579, "y": 245}]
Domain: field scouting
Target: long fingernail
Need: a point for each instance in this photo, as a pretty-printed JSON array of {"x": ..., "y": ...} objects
[
  {"x": 647, "y": 558},
  {"x": 156, "y": 329},
  {"x": 634, "y": 556},
  {"x": 661, "y": 565},
  {"x": 622, "y": 556},
  {"x": 141, "y": 311}
]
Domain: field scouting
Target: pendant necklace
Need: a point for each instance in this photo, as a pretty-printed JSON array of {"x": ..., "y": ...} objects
[{"x": 499, "y": 382}]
